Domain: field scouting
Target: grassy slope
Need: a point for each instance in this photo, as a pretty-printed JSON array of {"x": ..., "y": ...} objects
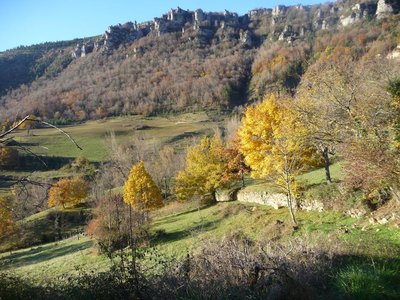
[
  {"x": 182, "y": 228},
  {"x": 46, "y": 226},
  {"x": 91, "y": 135}
]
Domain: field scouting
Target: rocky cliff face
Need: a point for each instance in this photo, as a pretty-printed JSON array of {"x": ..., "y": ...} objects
[
  {"x": 387, "y": 7},
  {"x": 206, "y": 27}
]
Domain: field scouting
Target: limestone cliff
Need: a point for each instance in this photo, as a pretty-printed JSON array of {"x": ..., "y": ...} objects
[{"x": 286, "y": 23}]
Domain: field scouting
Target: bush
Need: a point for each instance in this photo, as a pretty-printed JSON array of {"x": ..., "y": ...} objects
[{"x": 112, "y": 227}]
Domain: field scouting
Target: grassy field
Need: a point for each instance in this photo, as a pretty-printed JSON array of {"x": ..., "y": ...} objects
[{"x": 91, "y": 135}]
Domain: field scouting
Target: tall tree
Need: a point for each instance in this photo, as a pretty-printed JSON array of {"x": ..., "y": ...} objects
[
  {"x": 140, "y": 191},
  {"x": 272, "y": 142},
  {"x": 338, "y": 101}
]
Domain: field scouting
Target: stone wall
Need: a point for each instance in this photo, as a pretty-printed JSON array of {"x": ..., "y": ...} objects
[{"x": 275, "y": 200}]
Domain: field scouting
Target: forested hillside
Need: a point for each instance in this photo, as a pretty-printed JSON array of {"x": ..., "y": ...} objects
[{"x": 186, "y": 61}]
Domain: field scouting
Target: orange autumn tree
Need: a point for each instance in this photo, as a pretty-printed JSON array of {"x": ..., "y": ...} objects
[
  {"x": 68, "y": 192},
  {"x": 8, "y": 157},
  {"x": 236, "y": 166},
  {"x": 273, "y": 144},
  {"x": 6, "y": 221},
  {"x": 140, "y": 190}
]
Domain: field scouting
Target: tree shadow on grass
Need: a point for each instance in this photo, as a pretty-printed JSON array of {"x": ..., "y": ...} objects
[
  {"x": 185, "y": 135},
  {"x": 176, "y": 217},
  {"x": 40, "y": 254},
  {"x": 163, "y": 237}
]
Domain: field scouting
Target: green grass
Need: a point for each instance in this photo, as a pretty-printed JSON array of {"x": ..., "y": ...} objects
[
  {"x": 312, "y": 178},
  {"x": 46, "y": 262},
  {"x": 46, "y": 226},
  {"x": 91, "y": 135},
  {"x": 179, "y": 228},
  {"x": 370, "y": 280},
  {"x": 317, "y": 176}
]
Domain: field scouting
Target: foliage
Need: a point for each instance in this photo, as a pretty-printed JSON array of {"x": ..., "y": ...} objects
[
  {"x": 6, "y": 221},
  {"x": 277, "y": 68},
  {"x": 29, "y": 198},
  {"x": 394, "y": 90},
  {"x": 205, "y": 171},
  {"x": 24, "y": 64},
  {"x": 111, "y": 225},
  {"x": 236, "y": 167},
  {"x": 140, "y": 191},
  {"x": 8, "y": 158},
  {"x": 272, "y": 142},
  {"x": 193, "y": 78},
  {"x": 68, "y": 192}
]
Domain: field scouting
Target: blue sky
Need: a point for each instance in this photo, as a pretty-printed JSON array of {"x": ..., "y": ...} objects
[{"x": 27, "y": 22}]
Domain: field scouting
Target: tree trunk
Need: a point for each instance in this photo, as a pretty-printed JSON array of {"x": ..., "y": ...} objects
[
  {"x": 214, "y": 196},
  {"x": 290, "y": 206},
  {"x": 290, "y": 202},
  {"x": 165, "y": 188},
  {"x": 327, "y": 163}
]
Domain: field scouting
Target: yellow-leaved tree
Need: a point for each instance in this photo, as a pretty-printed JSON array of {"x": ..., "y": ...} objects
[
  {"x": 204, "y": 172},
  {"x": 68, "y": 192},
  {"x": 140, "y": 190},
  {"x": 6, "y": 221},
  {"x": 272, "y": 142}
]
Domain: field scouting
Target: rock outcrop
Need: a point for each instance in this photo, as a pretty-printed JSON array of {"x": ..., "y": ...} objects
[
  {"x": 386, "y": 8},
  {"x": 81, "y": 50},
  {"x": 358, "y": 12},
  {"x": 205, "y": 27},
  {"x": 395, "y": 54}
]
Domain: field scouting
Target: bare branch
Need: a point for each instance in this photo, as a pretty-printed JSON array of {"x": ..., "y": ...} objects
[
  {"x": 27, "y": 118},
  {"x": 59, "y": 129},
  {"x": 14, "y": 128}
]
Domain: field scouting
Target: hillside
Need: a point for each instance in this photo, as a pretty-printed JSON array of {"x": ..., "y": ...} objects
[
  {"x": 179, "y": 229},
  {"x": 187, "y": 60},
  {"x": 206, "y": 155}
]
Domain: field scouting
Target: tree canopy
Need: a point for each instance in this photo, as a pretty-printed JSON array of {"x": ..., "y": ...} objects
[
  {"x": 273, "y": 144},
  {"x": 68, "y": 192},
  {"x": 205, "y": 170},
  {"x": 140, "y": 190}
]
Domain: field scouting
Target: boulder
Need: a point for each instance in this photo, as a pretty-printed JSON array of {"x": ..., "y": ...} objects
[{"x": 395, "y": 54}]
